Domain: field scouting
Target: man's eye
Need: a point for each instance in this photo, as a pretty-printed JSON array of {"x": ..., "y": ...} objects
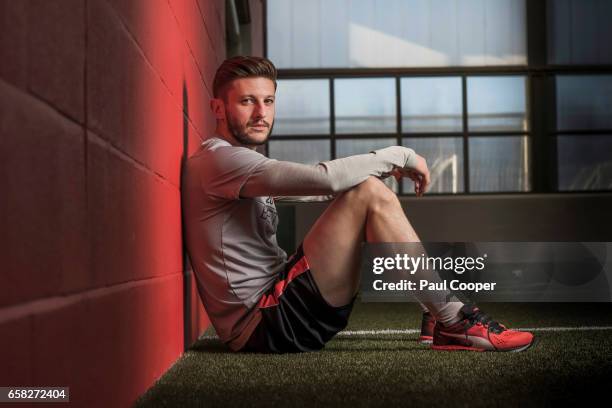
[
  {"x": 269, "y": 101},
  {"x": 247, "y": 100}
]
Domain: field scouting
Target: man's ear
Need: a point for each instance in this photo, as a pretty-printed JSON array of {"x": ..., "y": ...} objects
[{"x": 218, "y": 108}]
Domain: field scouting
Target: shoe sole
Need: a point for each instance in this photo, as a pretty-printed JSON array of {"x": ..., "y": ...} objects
[{"x": 465, "y": 348}]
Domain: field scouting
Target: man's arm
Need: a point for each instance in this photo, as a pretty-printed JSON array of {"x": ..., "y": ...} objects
[{"x": 280, "y": 178}]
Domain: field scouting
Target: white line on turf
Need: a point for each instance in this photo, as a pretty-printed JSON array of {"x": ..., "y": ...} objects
[
  {"x": 349, "y": 333},
  {"x": 415, "y": 331}
]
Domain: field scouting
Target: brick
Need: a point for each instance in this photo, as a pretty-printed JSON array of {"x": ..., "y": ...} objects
[
  {"x": 155, "y": 29},
  {"x": 192, "y": 137},
  {"x": 158, "y": 327},
  {"x": 15, "y": 352},
  {"x": 61, "y": 350},
  {"x": 194, "y": 140},
  {"x": 13, "y": 42},
  {"x": 122, "y": 337},
  {"x": 128, "y": 104},
  {"x": 198, "y": 96},
  {"x": 138, "y": 335},
  {"x": 134, "y": 218},
  {"x": 43, "y": 205},
  {"x": 195, "y": 34},
  {"x": 215, "y": 27},
  {"x": 56, "y": 53},
  {"x": 208, "y": 63}
]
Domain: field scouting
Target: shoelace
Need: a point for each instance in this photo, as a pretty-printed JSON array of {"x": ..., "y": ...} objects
[{"x": 476, "y": 316}]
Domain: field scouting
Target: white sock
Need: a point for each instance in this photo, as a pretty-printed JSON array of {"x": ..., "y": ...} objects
[{"x": 446, "y": 313}]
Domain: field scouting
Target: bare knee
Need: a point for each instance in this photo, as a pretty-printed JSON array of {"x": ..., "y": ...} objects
[{"x": 374, "y": 194}]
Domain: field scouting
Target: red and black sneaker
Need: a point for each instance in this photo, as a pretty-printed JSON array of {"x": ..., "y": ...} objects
[
  {"x": 427, "y": 328},
  {"x": 478, "y": 332}
]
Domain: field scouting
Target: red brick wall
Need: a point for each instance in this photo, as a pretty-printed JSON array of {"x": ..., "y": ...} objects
[{"x": 92, "y": 131}]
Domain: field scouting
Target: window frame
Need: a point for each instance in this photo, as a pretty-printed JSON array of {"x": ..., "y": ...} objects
[
  {"x": 540, "y": 111},
  {"x": 398, "y": 135}
]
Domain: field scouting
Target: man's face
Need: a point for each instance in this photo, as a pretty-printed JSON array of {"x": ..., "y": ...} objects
[{"x": 249, "y": 110}]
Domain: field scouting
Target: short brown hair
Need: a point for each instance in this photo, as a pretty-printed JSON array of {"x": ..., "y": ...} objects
[{"x": 242, "y": 67}]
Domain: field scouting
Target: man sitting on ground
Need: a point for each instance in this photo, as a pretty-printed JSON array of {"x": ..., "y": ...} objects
[{"x": 256, "y": 298}]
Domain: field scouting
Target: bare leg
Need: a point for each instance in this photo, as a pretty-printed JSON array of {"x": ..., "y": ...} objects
[{"x": 370, "y": 212}]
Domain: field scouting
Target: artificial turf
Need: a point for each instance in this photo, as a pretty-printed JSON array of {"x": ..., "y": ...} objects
[{"x": 562, "y": 367}]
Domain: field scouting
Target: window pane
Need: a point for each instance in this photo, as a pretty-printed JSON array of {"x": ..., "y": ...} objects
[
  {"x": 497, "y": 103},
  {"x": 585, "y": 162},
  {"x": 300, "y": 151},
  {"x": 576, "y": 29},
  {"x": 365, "y": 105},
  {"x": 302, "y": 107},
  {"x": 584, "y": 102},
  {"x": 350, "y": 147},
  {"x": 444, "y": 157},
  {"x": 394, "y": 33},
  {"x": 499, "y": 163},
  {"x": 431, "y": 104}
]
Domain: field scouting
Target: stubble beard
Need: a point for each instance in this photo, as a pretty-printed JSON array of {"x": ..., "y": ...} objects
[{"x": 240, "y": 133}]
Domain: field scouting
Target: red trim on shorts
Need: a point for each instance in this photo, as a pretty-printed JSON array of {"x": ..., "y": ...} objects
[{"x": 269, "y": 300}]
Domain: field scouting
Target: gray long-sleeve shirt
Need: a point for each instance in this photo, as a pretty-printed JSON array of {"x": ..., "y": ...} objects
[{"x": 230, "y": 220}]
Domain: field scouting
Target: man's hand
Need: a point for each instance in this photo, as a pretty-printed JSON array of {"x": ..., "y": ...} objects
[{"x": 419, "y": 174}]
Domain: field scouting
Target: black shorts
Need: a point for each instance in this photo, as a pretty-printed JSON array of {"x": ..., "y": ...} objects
[{"x": 295, "y": 317}]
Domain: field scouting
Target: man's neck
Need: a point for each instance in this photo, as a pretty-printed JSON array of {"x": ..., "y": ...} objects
[{"x": 226, "y": 135}]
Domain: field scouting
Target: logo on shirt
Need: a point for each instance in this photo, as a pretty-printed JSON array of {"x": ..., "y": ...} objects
[{"x": 268, "y": 211}]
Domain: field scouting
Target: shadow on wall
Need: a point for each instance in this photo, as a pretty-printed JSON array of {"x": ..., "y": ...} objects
[
  {"x": 187, "y": 272},
  {"x": 195, "y": 319}
]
